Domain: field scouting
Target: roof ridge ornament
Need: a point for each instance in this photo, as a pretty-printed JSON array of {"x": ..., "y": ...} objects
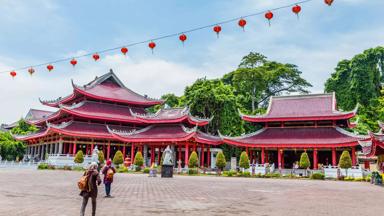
[
  {"x": 73, "y": 106},
  {"x": 188, "y": 130},
  {"x": 61, "y": 125},
  {"x": 345, "y": 132},
  {"x": 128, "y": 133}
]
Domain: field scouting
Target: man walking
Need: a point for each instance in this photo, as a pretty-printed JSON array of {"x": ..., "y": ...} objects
[
  {"x": 108, "y": 172},
  {"x": 90, "y": 191}
]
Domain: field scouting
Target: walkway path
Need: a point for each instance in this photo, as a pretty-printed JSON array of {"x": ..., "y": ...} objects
[{"x": 32, "y": 192}]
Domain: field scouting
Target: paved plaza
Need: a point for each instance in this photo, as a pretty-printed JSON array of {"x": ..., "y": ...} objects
[{"x": 33, "y": 192}]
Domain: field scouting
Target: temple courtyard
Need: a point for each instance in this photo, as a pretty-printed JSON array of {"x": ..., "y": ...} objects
[{"x": 32, "y": 192}]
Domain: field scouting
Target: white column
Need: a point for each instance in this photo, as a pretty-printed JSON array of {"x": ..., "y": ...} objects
[{"x": 60, "y": 149}]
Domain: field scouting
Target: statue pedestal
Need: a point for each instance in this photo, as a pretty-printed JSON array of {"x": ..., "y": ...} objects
[{"x": 166, "y": 171}]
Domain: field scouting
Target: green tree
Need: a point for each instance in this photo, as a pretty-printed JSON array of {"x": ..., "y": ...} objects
[
  {"x": 79, "y": 157},
  {"x": 23, "y": 128},
  {"x": 257, "y": 79},
  {"x": 358, "y": 81},
  {"x": 10, "y": 148},
  {"x": 304, "y": 161},
  {"x": 118, "y": 158},
  {"x": 244, "y": 160},
  {"x": 101, "y": 157},
  {"x": 139, "y": 160},
  {"x": 193, "y": 160}
]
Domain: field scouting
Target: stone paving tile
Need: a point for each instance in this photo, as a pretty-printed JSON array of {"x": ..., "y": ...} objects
[{"x": 40, "y": 193}]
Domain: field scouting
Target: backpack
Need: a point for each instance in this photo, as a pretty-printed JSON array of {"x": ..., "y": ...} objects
[
  {"x": 110, "y": 174},
  {"x": 83, "y": 183}
]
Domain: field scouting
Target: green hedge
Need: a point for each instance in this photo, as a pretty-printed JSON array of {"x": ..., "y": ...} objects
[{"x": 318, "y": 176}]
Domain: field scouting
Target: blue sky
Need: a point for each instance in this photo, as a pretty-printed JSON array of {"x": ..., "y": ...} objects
[{"x": 44, "y": 30}]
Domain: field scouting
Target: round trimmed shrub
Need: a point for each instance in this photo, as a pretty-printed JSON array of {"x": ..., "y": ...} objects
[
  {"x": 318, "y": 176},
  {"x": 193, "y": 160},
  {"x": 101, "y": 157},
  {"x": 139, "y": 161},
  {"x": 345, "y": 161},
  {"x": 220, "y": 161},
  {"x": 304, "y": 161},
  {"x": 244, "y": 160},
  {"x": 118, "y": 158},
  {"x": 79, "y": 158}
]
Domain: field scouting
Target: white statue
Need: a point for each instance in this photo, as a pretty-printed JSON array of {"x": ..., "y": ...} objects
[
  {"x": 95, "y": 155},
  {"x": 168, "y": 160}
]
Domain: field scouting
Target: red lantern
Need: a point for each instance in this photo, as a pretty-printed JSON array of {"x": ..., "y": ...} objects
[
  {"x": 13, "y": 74},
  {"x": 73, "y": 62},
  {"x": 269, "y": 16},
  {"x": 124, "y": 50},
  {"x": 50, "y": 67},
  {"x": 217, "y": 29},
  {"x": 31, "y": 71},
  {"x": 152, "y": 45},
  {"x": 96, "y": 56},
  {"x": 242, "y": 23},
  {"x": 183, "y": 38},
  {"x": 296, "y": 9},
  {"x": 328, "y": 2}
]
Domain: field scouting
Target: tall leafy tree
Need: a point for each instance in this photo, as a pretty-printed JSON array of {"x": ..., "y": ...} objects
[{"x": 256, "y": 79}]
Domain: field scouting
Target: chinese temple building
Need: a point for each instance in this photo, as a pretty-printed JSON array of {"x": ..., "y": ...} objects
[
  {"x": 293, "y": 124},
  {"x": 106, "y": 114},
  {"x": 374, "y": 148}
]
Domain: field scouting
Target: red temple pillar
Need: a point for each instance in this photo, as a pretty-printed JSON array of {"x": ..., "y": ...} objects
[
  {"x": 315, "y": 163},
  {"x": 353, "y": 155},
  {"x": 159, "y": 156},
  {"x": 92, "y": 147},
  {"x": 86, "y": 149},
  {"x": 108, "y": 150},
  {"x": 279, "y": 151},
  {"x": 132, "y": 152},
  {"x": 74, "y": 147},
  {"x": 282, "y": 158},
  {"x": 179, "y": 151},
  {"x": 202, "y": 155},
  {"x": 247, "y": 151},
  {"x": 186, "y": 155},
  {"x": 262, "y": 155},
  {"x": 209, "y": 156},
  {"x": 366, "y": 165},
  {"x": 152, "y": 155},
  {"x": 334, "y": 162},
  {"x": 194, "y": 147},
  {"x": 124, "y": 151}
]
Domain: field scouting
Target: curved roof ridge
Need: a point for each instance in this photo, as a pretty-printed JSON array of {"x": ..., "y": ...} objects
[
  {"x": 244, "y": 135},
  {"x": 345, "y": 132},
  {"x": 61, "y": 125},
  {"x": 128, "y": 133}
]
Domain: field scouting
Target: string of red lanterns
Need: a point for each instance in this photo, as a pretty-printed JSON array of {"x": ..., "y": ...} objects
[{"x": 296, "y": 9}]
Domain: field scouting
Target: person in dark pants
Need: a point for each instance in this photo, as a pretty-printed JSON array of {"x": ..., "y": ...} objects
[
  {"x": 91, "y": 191},
  {"x": 108, "y": 172}
]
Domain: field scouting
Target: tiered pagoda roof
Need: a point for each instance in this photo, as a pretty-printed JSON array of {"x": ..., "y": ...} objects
[
  {"x": 106, "y": 88},
  {"x": 108, "y": 101},
  {"x": 301, "y": 108}
]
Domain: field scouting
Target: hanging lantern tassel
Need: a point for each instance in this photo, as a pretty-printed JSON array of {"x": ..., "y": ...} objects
[
  {"x": 13, "y": 74},
  {"x": 124, "y": 50},
  {"x": 328, "y": 2},
  {"x": 183, "y": 38},
  {"x": 269, "y": 16},
  {"x": 73, "y": 62},
  {"x": 152, "y": 45},
  {"x": 50, "y": 67},
  {"x": 31, "y": 71},
  {"x": 242, "y": 23},
  {"x": 296, "y": 9},
  {"x": 217, "y": 29},
  {"x": 96, "y": 56}
]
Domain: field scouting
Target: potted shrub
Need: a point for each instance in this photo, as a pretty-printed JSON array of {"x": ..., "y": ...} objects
[
  {"x": 193, "y": 163},
  {"x": 101, "y": 157},
  {"x": 244, "y": 161},
  {"x": 304, "y": 162},
  {"x": 139, "y": 161},
  {"x": 345, "y": 161},
  {"x": 220, "y": 162},
  {"x": 118, "y": 158},
  {"x": 79, "y": 158}
]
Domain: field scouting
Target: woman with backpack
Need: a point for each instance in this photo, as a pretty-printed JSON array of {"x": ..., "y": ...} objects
[
  {"x": 108, "y": 172},
  {"x": 88, "y": 186}
]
